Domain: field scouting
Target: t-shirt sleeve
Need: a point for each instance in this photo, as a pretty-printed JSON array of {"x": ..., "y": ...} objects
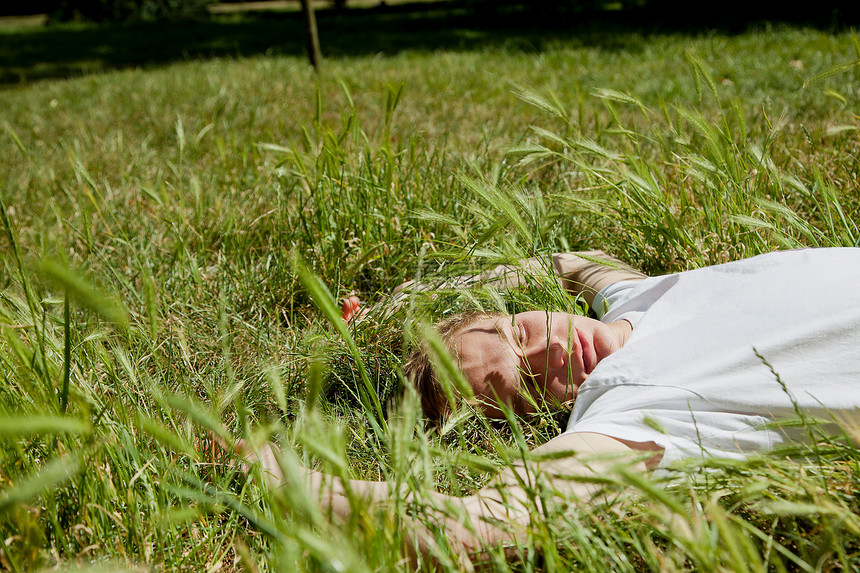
[
  {"x": 630, "y": 300},
  {"x": 612, "y": 295}
]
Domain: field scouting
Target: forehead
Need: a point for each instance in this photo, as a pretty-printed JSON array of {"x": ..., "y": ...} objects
[{"x": 489, "y": 335}]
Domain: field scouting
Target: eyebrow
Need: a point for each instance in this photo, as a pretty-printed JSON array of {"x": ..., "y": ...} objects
[{"x": 492, "y": 328}]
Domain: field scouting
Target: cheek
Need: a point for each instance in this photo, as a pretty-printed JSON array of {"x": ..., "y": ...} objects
[
  {"x": 602, "y": 337},
  {"x": 561, "y": 391},
  {"x": 501, "y": 383}
]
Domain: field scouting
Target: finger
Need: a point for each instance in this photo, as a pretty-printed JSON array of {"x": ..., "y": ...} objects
[
  {"x": 346, "y": 310},
  {"x": 349, "y": 308}
]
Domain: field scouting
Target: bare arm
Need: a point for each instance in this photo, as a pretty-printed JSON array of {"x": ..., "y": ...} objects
[
  {"x": 510, "y": 497},
  {"x": 501, "y": 510},
  {"x": 582, "y": 273}
]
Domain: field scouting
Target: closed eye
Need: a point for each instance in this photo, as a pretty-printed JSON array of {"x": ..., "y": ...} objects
[{"x": 520, "y": 331}]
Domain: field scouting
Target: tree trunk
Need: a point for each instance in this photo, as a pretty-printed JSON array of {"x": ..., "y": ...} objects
[{"x": 313, "y": 41}]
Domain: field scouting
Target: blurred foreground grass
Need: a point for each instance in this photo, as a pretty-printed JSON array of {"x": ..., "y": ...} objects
[{"x": 151, "y": 220}]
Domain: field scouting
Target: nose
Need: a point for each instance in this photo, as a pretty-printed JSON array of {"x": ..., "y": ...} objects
[
  {"x": 547, "y": 354},
  {"x": 556, "y": 354}
]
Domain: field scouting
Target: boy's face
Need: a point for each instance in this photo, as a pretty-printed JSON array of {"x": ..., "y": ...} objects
[{"x": 531, "y": 358}]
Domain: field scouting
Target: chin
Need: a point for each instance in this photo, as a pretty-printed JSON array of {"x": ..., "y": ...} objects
[{"x": 565, "y": 395}]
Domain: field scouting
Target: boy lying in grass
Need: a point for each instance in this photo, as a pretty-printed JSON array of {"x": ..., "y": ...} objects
[{"x": 698, "y": 364}]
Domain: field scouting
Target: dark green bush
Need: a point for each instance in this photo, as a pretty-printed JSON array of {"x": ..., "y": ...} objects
[
  {"x": 552, "y": 8},
  {"x": 127, "y": 10}
]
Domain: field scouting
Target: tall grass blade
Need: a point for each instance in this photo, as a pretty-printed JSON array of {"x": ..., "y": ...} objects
[
  {"x": 51, "y": 475},
  {"x": 180, "y": 135},
  {"x": 207, "y": 494},
  {"x": 450, "y": 377},
  {"x": 550, "y": 104},
  {"x": 161, "y": 433},
  {"x": 831, "y": 71},
  {"x": 15, "y": 138},
  {"x": 19, "y": 263},
  {"x": 325, "y": 302},
  {"x": 67, "y": 354},
  {"x": 701, "y": 73},
  {"x": 621, "y": 97},
  {"x": 19, "y": 426},
  {"x": 85, "y": 292},
  {"x": 197, "y": 413},
  {"x": 276, "y": 385},
  {"x": 499, "y": 200}
]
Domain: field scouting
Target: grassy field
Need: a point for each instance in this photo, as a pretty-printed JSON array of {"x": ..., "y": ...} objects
[{"x": 174, "y": 232}]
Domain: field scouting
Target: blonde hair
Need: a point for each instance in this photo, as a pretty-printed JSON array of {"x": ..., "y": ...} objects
[{"x": 419, "y": 369}]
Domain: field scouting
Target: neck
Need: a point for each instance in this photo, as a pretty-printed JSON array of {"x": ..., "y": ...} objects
[{"x": 622, "y": 330}]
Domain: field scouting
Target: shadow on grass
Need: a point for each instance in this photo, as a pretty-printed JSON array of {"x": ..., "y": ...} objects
[{"x": 28, "y": 54}]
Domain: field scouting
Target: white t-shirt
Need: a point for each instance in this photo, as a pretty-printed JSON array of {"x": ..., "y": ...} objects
[{"x": 718, "y": 353}]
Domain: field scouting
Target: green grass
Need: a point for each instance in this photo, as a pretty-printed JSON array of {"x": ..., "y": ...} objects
[{"x": 152, "y": 223}]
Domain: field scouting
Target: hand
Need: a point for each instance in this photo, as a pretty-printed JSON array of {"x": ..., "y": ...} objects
[
  {"x": 349, "y": 308},
  {"x": 269, "y": 457},
  {"x": 266, "y": 455}
]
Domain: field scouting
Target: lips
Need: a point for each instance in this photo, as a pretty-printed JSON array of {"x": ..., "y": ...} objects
[{"x": 586, "y": 352}]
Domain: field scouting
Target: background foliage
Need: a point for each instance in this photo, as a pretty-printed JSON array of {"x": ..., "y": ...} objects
[{"x": 127, "y": 10}]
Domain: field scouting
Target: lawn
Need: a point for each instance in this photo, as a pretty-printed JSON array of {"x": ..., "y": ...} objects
[{"x": 177, "y": 223}]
